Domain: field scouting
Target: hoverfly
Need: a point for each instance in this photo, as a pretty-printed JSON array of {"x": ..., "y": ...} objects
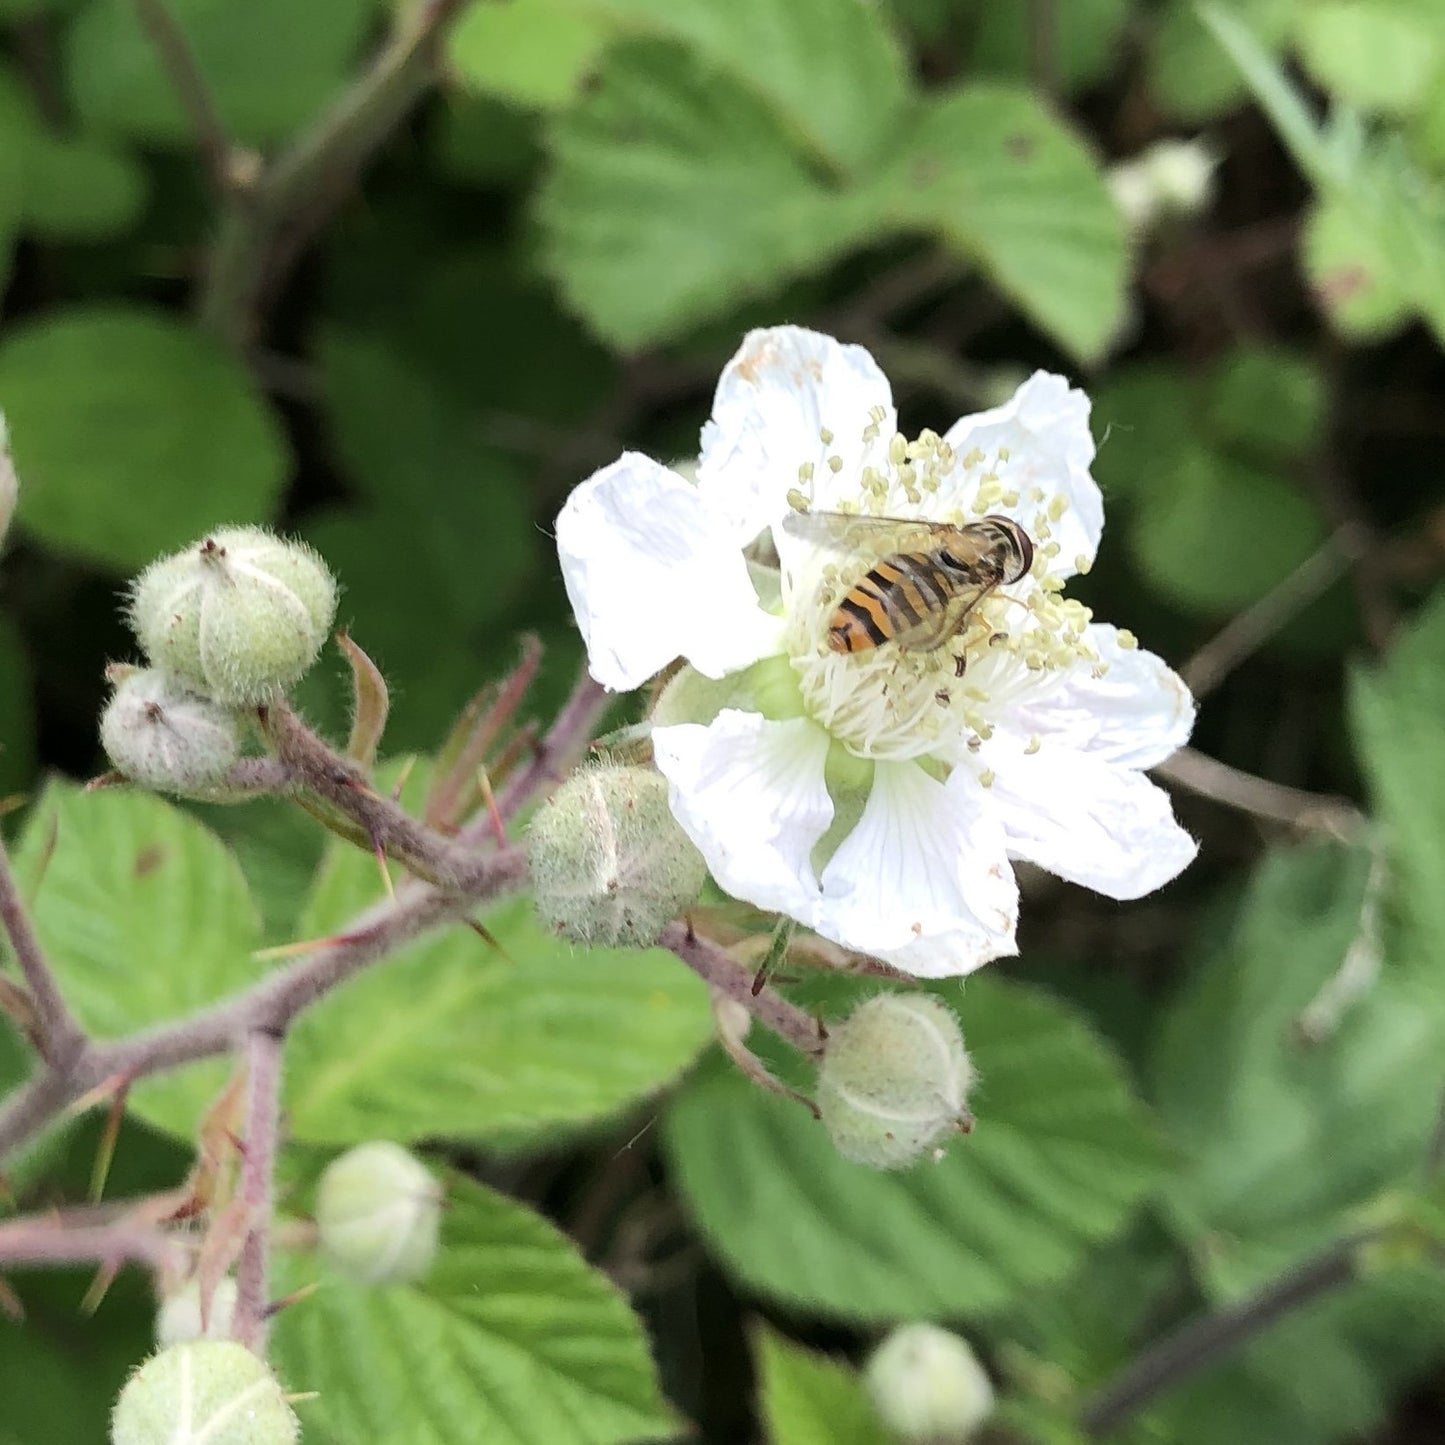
[{"x": 916, "y": 598}]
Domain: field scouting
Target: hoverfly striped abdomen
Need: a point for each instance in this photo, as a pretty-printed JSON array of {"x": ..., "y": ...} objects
[
  {"x": 901, "y": 593},
  {"x": 919, "y": 599}
]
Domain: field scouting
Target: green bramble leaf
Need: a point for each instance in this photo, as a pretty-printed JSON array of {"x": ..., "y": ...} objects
[
  {"x": 1012, "y": 189},
  {"x": 1190, "y": 79},
  {"x": 66, "y": 187},
  {"x": 1351, "y": 277},
  {"x": 48, "y": 1395},
  {"x": 1267, "y": 402},
  {"x": 1395, "y": 714},
  {"x": 457, "y": 1038},
  {"x": 830, "y": 71},
  {"x": 533, "y": 53},
  {"x": 512, "y": 1339},
  {"x": 1294, "y": 1114},
  {"x": 1184, "y": 556},
  {"x": 1061, "y": 1155},
  {"x": 1183, "y": 448},
  {"x": 134, "y": 434},
  {"x": 1371, "y": 53},
  {"x": 146, "y": 917},
  {"x": 674, "y": 194},
  {"x": 80, "y": 190},
  {"x": 271, "y": 66},
  {"x": 1086, "y": 42},
  {"x": 807, "y": 1398},
  {"x": 1397, "y": 211}
]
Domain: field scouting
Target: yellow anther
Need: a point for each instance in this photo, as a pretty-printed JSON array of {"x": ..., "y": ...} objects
[
  {"x": 1035, "y": 743},
  {"x": 898, "y": 449},
  {"x": 826, "y": 437},
  {"x": 1127, "y": 640},
  {"x": 796, "y": 500},
  {"x": 835, "y": 465},
  {"x": 1083, "y": 564},
  {"x": 986, "y": 778},
  {"x": 805, "y": 472},
  {"x": 1058, "y": 506}
]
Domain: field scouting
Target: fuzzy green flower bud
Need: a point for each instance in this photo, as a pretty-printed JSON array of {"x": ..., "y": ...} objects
[
  {"x": 211, "y": 1391},
  {"x": 162, "y": 736},
  {"x": 928, "y": 1387},
  {"x": 240, "y": 616},
  {"x": 610, "y": 865},
  {"x": 378, "y": 1212},
  {"x": 9, "y": 482},
  {"x": 179, "y": 1317},
  {"x": 893, "y": 1080}
]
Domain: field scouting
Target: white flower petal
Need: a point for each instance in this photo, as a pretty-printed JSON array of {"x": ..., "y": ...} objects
[
  {"x": 1136, "y": 715},
  {"x": 923, "y": 880},
  {"x": 1043, "y": 431},
  {"x": 653, "y": 574},
  {"x": 776, "y": 397},
  {"x": 1088, "y": 820},
  {"x": 750, "y": 794}
]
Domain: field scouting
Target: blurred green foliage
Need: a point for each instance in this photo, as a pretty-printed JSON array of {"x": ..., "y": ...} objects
[{"x": 554, "y": 243}]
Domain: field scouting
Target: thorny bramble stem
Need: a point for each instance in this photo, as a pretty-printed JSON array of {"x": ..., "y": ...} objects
[
  {"x": 479, "y": 729},
  {"x": 258, "y": 1170},
  {"x": 720, "y": 970},
  {"x": 193, "y": 91},
  {"x": 564, "y": 742},
  {"x": 49, "y": 1239},
  {"x": 1273, "y": 802},
  {"x": 1205, "y": 1341},
  {"x": 264, "y": 231},
  {"x": 59, "y": 1036},
  {"x": 446, "y": 862},
  {"x": 271, "y": 1004}
]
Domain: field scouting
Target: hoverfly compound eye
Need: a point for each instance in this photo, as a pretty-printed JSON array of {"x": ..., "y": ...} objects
[{"x": 1020, "y": 547}]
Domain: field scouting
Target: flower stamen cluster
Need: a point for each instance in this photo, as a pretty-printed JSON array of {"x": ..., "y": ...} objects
[{"x": 886, "y": 702}]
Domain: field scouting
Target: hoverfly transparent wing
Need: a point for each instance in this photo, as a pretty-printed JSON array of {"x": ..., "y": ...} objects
[{"x": 849, "y": 533}]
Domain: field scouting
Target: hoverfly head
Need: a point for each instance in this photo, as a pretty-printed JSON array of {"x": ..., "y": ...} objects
[{"x": 1016, "y": 548}]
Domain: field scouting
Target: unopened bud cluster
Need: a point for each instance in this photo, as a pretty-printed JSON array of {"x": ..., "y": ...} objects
[
  {"x": 378, "y": 1213},
  {"x": 205, "y": 1392},
  {"x": 928, "y": 1387},
  {"x": 228, "y": 624},
  {"x": 894, "y": 1080},
  {"x": 610, "y": 865}
]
